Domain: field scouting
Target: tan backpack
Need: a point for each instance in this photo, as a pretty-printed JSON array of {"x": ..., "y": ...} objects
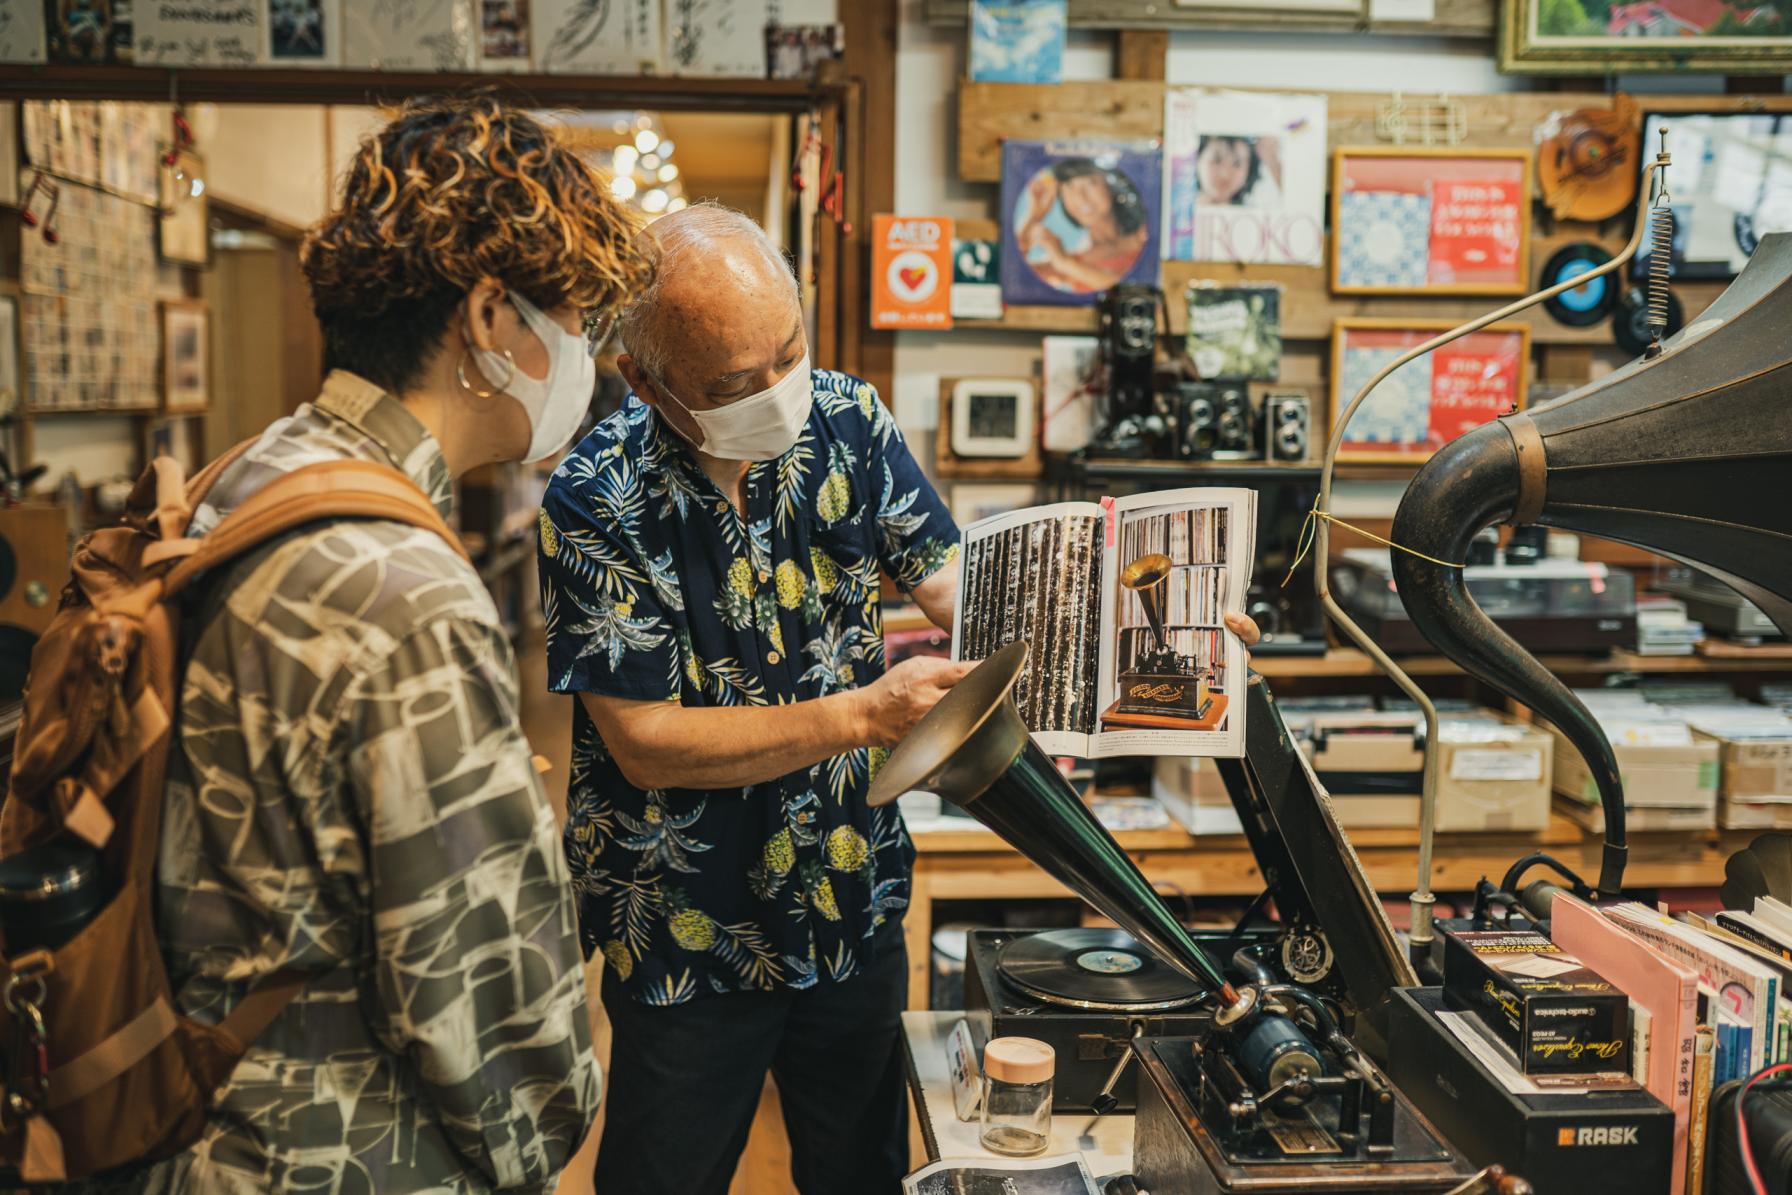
[{"x": 98, "y": 1067}]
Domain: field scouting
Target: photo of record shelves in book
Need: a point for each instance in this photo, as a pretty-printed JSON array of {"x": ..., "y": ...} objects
[{"x": 1170, "y": 657}]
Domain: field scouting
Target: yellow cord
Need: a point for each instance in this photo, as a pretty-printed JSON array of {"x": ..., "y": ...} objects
[{"x": 1309, "y": 531}]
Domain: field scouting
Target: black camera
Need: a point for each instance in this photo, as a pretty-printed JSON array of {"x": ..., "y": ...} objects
[
  {"x": 1213, "y": 421},
  {"x": 1287, "y": 427},
  {"x": 1131, "y": 420}
]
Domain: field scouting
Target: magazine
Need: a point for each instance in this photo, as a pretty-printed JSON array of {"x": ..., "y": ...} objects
[
  {"x": 1062, "y": 1175},
  {"x": 1078, "y": 218},
  {"x": 1123, "y": 604}
]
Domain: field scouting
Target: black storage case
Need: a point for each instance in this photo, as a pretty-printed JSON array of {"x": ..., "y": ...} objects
[{"x": 1564, "y": 1144}]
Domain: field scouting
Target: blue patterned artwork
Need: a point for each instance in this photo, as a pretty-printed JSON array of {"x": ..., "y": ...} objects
[
  {"x": 1399, "y": 410},
  {"x": 1384, "y": 238},
  {"x": 1018, "y": 41}
]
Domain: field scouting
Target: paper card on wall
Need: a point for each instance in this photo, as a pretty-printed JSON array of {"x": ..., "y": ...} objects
[
  {"x": 1402, "y": 10},
  {"x": 304, "y": 33},
  {"x": 198, "y": 33},
  {"x": 976, "y": 279},
  {"x": 409, "y": 35},
  {"x": 717, "y": 37},
  {"x": 911, "y": 272},
  {"x": 610, "y": 37},
  {"x": 1474, "y": 228},
  {"x": 1244, "y": 177},
  {"x": 22, "y": 32},
  {"x": 504, "y": 35},
  {"x": 1067, "y": 391}
]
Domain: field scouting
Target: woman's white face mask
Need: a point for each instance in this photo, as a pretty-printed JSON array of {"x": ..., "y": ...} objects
[
  {"x": 555, "y": 404},
  {"x": 759, "y": 427}
]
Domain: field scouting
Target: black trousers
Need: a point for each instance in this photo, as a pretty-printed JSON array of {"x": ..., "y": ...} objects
[{"x": 684, "y": 1083}]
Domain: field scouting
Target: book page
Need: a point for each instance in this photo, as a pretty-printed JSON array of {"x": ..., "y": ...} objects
[
  {"x": 1176, "y": 563},
  {"x": 1035, "y": 574}
]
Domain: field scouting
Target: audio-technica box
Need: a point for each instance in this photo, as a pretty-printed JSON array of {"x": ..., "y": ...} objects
[{"x": 1555, "y": 1013}]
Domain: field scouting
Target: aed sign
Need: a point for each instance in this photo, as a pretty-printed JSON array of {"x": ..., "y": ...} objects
[{"x": 911, "y": 272}]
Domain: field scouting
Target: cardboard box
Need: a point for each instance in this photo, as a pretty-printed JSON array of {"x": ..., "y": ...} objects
[
  {"x": 1676, "y": 777},
  {"x": 1557, "y": 1014},
  {"x": 1493, "y": 772},
  {"x": 1191, "y": 791},
  {"x": 1754, "y": 782},
  {"x": 1591, "y": 815}
]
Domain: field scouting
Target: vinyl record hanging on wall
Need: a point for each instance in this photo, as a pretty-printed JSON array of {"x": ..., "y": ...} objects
[
  {"x": 1585, "y": 305},
  {"x": 1630, "y": 322}
]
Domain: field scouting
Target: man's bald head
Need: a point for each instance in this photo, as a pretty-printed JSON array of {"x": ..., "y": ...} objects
[{"x": 715, "y": 268}]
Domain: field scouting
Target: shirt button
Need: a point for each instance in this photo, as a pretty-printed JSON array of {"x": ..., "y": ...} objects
[
  {"x": 764, "y": 576},
  {"x": 772, "y": 657}
]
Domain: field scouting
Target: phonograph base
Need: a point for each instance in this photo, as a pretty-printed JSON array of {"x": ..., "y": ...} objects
[{"x": 1164, "y": 701}]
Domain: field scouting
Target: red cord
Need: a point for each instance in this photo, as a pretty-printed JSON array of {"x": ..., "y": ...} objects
[{"x": 1748, "y": 1154}]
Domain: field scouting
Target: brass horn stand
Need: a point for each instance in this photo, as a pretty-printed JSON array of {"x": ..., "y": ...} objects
[{"x": 1422, "y": 934}]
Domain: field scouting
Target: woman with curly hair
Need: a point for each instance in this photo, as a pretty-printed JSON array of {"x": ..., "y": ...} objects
[{"x": 352, "y": 801}]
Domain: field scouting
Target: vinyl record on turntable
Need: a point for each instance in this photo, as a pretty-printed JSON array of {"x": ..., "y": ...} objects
[
  {"x": 1587, "y": 161},
  {"x": 1094, "y": 968}
]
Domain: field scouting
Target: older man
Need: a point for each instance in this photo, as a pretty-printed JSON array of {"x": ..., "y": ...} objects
[{"x": 710, "y": 562}]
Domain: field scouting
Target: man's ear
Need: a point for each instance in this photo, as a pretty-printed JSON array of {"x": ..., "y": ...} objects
[{"x": 637, "y": 380}]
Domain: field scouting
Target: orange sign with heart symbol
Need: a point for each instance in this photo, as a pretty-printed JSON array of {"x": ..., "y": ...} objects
[{"x": 911, "y": 272}]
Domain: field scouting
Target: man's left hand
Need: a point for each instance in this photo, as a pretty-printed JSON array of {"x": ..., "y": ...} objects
[{"x": 1245, "y": 627}]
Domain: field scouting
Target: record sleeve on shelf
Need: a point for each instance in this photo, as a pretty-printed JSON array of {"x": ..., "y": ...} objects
[
  {"x": 199, "y": 33},
  {"x": 624, "y": 37},
  {"x": 409, "y": 35},
  {"x": 717, "y": 37},
  {"x": 1078, "y": 218}
]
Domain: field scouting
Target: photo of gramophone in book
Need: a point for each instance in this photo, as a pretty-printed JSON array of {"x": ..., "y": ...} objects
[{"x": 1160, "y": 682}]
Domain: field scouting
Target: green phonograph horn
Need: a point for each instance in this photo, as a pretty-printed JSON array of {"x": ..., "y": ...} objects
[{"x": 974, "y": 750}]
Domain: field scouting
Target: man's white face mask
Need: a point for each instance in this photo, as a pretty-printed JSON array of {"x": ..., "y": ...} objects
[
  {"x": 760, "y": 427},
  {"x": 556, "y": 403}
]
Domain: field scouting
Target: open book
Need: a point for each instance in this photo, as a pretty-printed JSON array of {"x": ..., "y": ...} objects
[{"x": 1123, "y": 603}]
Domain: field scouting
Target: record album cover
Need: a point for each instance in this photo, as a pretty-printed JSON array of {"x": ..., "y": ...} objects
[
  {"x": 717, "y": 37},
  {"x": 1018, "y": 41},
  {"x": 1078, "y": 218},
  {"x": 304, "y": 33},
  {"x": 409, "y": 35},
  {"x": 1235, "y": 332},
  {"x": 1244, "y": 177},
  {"x": 199, "y": 33}
]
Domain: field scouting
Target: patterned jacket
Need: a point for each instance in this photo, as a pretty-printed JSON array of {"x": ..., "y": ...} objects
[{"x": 353, "y": 797}]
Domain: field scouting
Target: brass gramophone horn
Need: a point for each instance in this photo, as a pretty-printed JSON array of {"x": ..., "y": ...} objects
[
  {"x": 1145, "y": 577},
  {"x": 974, "y": 750}
]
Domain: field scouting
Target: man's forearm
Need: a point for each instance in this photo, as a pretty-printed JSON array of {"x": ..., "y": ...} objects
[{"x": 665, "y": 745}]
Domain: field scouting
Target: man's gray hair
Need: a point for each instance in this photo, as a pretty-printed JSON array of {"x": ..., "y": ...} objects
[{"x": 700, "y": 227}]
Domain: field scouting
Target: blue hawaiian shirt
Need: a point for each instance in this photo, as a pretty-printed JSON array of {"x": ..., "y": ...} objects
[{"x": 655, "y": 588}]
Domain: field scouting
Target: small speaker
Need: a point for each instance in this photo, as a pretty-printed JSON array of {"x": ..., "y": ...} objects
[{"x": 1287, "y": 432}]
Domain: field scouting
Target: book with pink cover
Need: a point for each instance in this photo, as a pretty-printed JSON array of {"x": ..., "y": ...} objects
[{"x": 1667, "y": 990}]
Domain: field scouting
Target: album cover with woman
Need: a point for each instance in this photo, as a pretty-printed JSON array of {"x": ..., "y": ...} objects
[
  {"x": 1244, "y": 177},
  {"x": 1078, "y": 218},
  {"x": 1123, "y": 606}
]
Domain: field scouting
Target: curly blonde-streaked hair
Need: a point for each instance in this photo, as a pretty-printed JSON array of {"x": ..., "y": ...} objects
[{"x": 452, "y": 191}]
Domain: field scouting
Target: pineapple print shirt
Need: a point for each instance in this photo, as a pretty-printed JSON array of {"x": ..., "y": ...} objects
[{"x": 656, "y": 589}]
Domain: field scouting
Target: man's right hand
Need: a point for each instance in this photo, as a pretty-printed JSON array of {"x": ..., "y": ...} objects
[{"x": 900, "y": 697}]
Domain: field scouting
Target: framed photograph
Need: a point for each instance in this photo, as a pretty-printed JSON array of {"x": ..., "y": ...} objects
[
  {"x": 1595, "y": 37},
  {"x": 993, "y": 417},
  {"x": 995, "y": 421},
  {"x": 1426, "y": 403},
  {"x": 186, "y": 356},
  {"x": 183, "y": 230},
  {"x": 974, "y": 501},
  {"x": 1421, "y": 220},
  {"x": 1731, "y": 184}
]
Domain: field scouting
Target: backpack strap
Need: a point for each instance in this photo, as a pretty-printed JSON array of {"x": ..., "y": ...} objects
[{"x": 327, "y": 490}]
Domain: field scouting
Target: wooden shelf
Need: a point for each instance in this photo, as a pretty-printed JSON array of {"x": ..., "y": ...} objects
[
  {"x": 1454, "y": 18},
  {"x": 254, "y": 85},
  {"x": 1348, "y": 661}
]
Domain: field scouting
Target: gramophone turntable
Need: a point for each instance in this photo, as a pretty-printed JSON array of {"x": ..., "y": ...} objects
[{"x": 1160, "y": 687}]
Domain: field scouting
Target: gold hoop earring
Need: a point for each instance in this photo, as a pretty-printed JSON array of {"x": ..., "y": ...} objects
[{"x": 460, "y": 374}]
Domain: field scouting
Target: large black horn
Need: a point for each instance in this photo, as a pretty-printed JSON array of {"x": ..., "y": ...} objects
[
  {"x": 1687, "y": 453},
  {"x": 974, "y": 750}
]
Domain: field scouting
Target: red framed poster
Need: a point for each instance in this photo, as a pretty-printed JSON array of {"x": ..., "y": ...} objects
[
  {"x": 1430, "y": 401},
  {"x": 1426, "y": 220}
]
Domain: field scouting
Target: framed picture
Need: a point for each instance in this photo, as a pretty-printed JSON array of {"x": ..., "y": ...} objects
[
  {"x": 974, "y": 501},
  {"x": 186, "y": 356},
  {"x": 1731, "y": 184},
  {"x": 988, "y": 428},
  {"x": 9, "y": 355},
  {"x": 183, "y": 230},
  {"x": 1592, "y": 37},
  {"x": 1426, "y": 403},
  {"x": 1420, "y": 220}
]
